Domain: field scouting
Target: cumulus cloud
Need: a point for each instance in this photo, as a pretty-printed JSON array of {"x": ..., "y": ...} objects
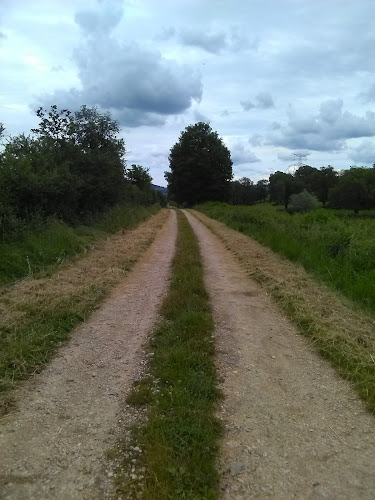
[
  {"x": 241, "y": 155},
  {"x": 263, "y": 100},
  {"x": 327, "y": 130},
  {"x": 210, "y": 42},
  {"x": 100, "y": 22},
  {"x": 138, "y": 85},
  {"x": 364, "y": 153},
  {"x": 286, "y": 156},
  {"x": 233, "y": 39}
]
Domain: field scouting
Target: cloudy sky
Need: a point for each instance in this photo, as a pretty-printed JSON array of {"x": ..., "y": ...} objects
[{"x": 273, "y": 77}]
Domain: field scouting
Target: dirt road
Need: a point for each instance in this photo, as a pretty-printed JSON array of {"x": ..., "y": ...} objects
[
  {"x": 55, "y": 446},
  {"x": 293, "y": 429}
]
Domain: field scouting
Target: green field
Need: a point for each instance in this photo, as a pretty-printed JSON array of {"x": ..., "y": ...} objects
[{"x": 334, "y": 245}]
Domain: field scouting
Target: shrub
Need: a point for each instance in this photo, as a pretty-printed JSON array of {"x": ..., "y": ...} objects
[{"x": 302, "y": 202}]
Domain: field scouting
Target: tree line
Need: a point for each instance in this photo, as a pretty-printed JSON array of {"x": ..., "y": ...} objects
[
  {"x": 201, "y": 170},
  {"x": 71, "y": 166}
]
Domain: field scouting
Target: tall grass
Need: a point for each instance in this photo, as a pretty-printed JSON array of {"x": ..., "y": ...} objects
[
  {"x": 336, "y": 247},
  {"x": 42, "y": 245},
  {"x": 179, "y": 439}
]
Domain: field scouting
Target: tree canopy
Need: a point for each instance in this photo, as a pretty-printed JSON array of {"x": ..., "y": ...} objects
[
  {"x": 70, "y": 167},
  {"x": 200, "y": 166}
]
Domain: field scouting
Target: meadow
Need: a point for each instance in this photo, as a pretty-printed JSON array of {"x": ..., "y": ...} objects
[{"x": 335, "y": 246}]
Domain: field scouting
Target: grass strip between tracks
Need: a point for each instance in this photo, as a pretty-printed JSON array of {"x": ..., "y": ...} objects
[{"x": 179, "y": 438}]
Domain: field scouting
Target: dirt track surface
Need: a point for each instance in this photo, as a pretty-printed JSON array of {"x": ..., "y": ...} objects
[
  {"x": 54, "y": 447},
  {"x": 293, "y": 428}
]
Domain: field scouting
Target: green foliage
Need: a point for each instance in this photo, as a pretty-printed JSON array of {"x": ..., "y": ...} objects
[
  {"x": 245, "y": 192},
  {"x": 200, "y": 166},
  {"x": 72, "y": 167},
  {"x": 355, "y": 189},
  {"x": 139, "y": 176},
  {"x": 323, "y": 181},
  {"x": 335, "y": 247},
  {"x": 179, "y": 439},
  {"x": 282, "y": 186},
  {"x": 43, "y": 244},
  {"x": 302, "y": 202}
]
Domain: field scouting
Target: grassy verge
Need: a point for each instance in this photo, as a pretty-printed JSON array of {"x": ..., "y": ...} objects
[
  {"x": 335, "y": 246},
  {"x": 36, "y": 315},
  {"x": 42, "y": 246},
  {"x": 179, "y": 439},
  {"x": 340, "y": 333}
]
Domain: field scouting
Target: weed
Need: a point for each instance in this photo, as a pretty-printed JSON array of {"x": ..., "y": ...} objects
[{"x": 179, "y": 438}]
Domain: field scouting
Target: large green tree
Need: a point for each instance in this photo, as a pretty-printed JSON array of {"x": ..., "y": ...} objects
[
  {"x": 355, "y": 189},
  {"x": 200, "y": 166}
]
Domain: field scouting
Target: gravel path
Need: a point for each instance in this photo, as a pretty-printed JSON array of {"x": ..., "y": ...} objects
[
  {"x": 293, "y": 428},
  {"x": 54, "y": 447}
]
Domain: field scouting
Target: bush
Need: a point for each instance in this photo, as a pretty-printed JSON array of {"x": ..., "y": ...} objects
[{"x": 302, "y": 202}]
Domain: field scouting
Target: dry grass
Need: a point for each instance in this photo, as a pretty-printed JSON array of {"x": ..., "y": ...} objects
[
  {"x": 340, "y": 333},
  {"x": 37, "y": 314}
]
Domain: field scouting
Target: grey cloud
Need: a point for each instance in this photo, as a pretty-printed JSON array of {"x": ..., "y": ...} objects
[
  {"x": 286, "y": 156},
  {"x": 264, "y": 100},
  {"x": 138, "y": 85},
  {"x": 331, "y": 110},
  {"x": 100, "y": 22},
  {"x": 364, "y": 153},
  {"x": 326, "y": 131},
  {"x": 211, "y": 42},
  {"x": 369, "y": 95},
  {"x": 2, "y": 36},
  {"x": 241, "y": 155},
  {"x": 247, "y": 105}
]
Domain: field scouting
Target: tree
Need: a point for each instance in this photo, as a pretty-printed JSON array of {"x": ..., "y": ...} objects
[
  {"x": 282, "y": 186},
  {"x": 322, "y": 181},
  {"x": 243, "y": 192},
  {"x": 86, "y": 141},
  {"x": 262, "y": 190},
  {"x": 306, "y": 175},
  {"x": 355, "y": 189},
  {"x": 139, "y": 176},
  {"x": 200, "y": 166}
]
